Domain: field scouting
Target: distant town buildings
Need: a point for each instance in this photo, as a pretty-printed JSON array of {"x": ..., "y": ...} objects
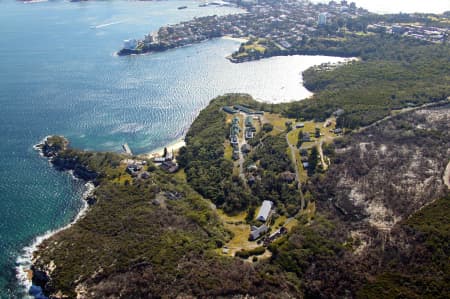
[
  {"x": 417, "y": 31},
  {"x": 322, "y": 19},
  {"x": 284, "y": 23}
]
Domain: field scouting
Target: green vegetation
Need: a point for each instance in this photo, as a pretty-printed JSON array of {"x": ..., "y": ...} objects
[
  {"x": 313, "y": 160},
  {"x": 392, "y": 74},
  {"x": 207, "y": 170},
  {"x": 271, "y": 155},
  {"x": 135, "y": 241},
  {"x": 315, "y": 245},
  {"x": 210, "y": 172},
  {"x": 267, "y": 127},
  {"x": 134, "y": 232},
  {"x": 123, "y": 239},
  {"x": 57, "y": 142},
  {"x": 245, "y": 254}
]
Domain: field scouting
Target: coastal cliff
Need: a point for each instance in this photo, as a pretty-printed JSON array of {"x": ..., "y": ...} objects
[
  {"x": 118, "y": 249},
  {"x": 354, "y": 174},
  {"x": 56, "y": 149},
  {"x": 120, "y": 246}
]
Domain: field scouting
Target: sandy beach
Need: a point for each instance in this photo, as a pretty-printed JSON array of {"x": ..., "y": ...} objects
[
  {"x": 238, "y": 39},
  {"x": 174, "y": 146}
]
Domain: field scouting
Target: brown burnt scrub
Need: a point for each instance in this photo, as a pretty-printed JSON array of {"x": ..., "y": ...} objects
[{"x": 380, "y": 181}]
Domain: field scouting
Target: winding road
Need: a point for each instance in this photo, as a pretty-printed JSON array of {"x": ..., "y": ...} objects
[{"x": 404, "y": 110}]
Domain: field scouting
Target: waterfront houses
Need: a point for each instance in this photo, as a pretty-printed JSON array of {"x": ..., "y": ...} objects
[{"x": 284, "y": 23}]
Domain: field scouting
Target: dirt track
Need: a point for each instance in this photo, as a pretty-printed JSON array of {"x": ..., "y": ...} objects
[{"x": 446, "y": 177}]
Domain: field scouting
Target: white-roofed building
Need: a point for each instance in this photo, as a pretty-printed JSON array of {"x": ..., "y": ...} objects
[
  {"x": 130, "y": 44},
  {"x": 264, "y": 211}
]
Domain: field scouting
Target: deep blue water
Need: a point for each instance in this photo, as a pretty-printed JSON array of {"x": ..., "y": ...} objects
[{"x": 59, "y": 75}]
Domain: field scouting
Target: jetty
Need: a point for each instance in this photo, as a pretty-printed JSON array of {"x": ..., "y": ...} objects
[{"x": 127, "y": 149}]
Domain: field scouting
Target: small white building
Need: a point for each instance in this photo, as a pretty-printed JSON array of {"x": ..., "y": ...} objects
[{"x": 264, "y": 211}]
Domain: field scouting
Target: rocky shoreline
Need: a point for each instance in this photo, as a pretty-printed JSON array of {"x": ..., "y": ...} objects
[{"x": 53, "y": 148}]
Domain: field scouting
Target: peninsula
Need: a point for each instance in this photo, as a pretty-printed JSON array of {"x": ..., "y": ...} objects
[
  {"x": 341, "y": 195},
  {"x": 287, "y": 27},
  {"x": 272, "y": 215}
]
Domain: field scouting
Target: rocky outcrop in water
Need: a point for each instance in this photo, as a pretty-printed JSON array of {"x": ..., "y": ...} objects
[{"x": 54, "y": 148}]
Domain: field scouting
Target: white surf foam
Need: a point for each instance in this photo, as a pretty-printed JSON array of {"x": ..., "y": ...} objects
[{"x": 25, "y": 260}]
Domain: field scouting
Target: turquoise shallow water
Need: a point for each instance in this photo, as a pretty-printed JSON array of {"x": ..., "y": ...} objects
[{"x": 59, "y": 75}]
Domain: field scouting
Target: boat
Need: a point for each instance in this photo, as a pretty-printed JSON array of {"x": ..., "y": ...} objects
[{"x": 182, "y": 7}]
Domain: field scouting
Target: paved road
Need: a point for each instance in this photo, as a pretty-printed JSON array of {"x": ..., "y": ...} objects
[
  {"x": 242, "y": 141},
  {"x": 297, "y": 171},
  {"x": 324, "y": 165}
]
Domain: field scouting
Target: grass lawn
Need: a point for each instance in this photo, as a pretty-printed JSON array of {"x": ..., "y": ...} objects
[
  {"x": 240, "y": 229},
  {"x": 228, "y": 150},
  {"x": 308, "y": 145},
  {"x": 241, "y": 125},
  {"x": 232, "y": 219},
  {"x": 180, "y": 175},
  {"x": 361, "y": 33},
  {"x": 236, "y": 169},
  {"x": 291, "y": 224},
  {"x": 278, "y": 122},
  {"x": 303, "y": 174},
  {"x": 293, "y": 136},
  {"x": 257, "y": 125},
  {"x": 255, "y": 47},
  {"x": 121, "y": 175},
  {"x": 309, "y": 211},
  {"x": 240, "y": 55},
  {"x": 335, "y": 39},
  {"x": 280, "y": 221}
]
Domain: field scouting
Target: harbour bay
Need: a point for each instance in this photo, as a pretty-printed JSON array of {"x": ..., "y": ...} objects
[{"x": 60, "y": 76}]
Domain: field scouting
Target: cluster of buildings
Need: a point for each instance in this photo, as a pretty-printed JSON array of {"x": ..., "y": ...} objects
[
  {"x": 249, "y": 127},
  {"x": 167, "y": 161},
  {"x": 422, "y": 32},
  {"x": 136, "y": 168},
  {"x": 286, "y": 23},
  {"x": 235, "y": 128},
  {"x": 262, "y": 230},
  {"x": 263, "y": 215}
]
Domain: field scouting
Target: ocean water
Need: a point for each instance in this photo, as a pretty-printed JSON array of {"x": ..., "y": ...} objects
[{"x": 59, "y": 75}]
